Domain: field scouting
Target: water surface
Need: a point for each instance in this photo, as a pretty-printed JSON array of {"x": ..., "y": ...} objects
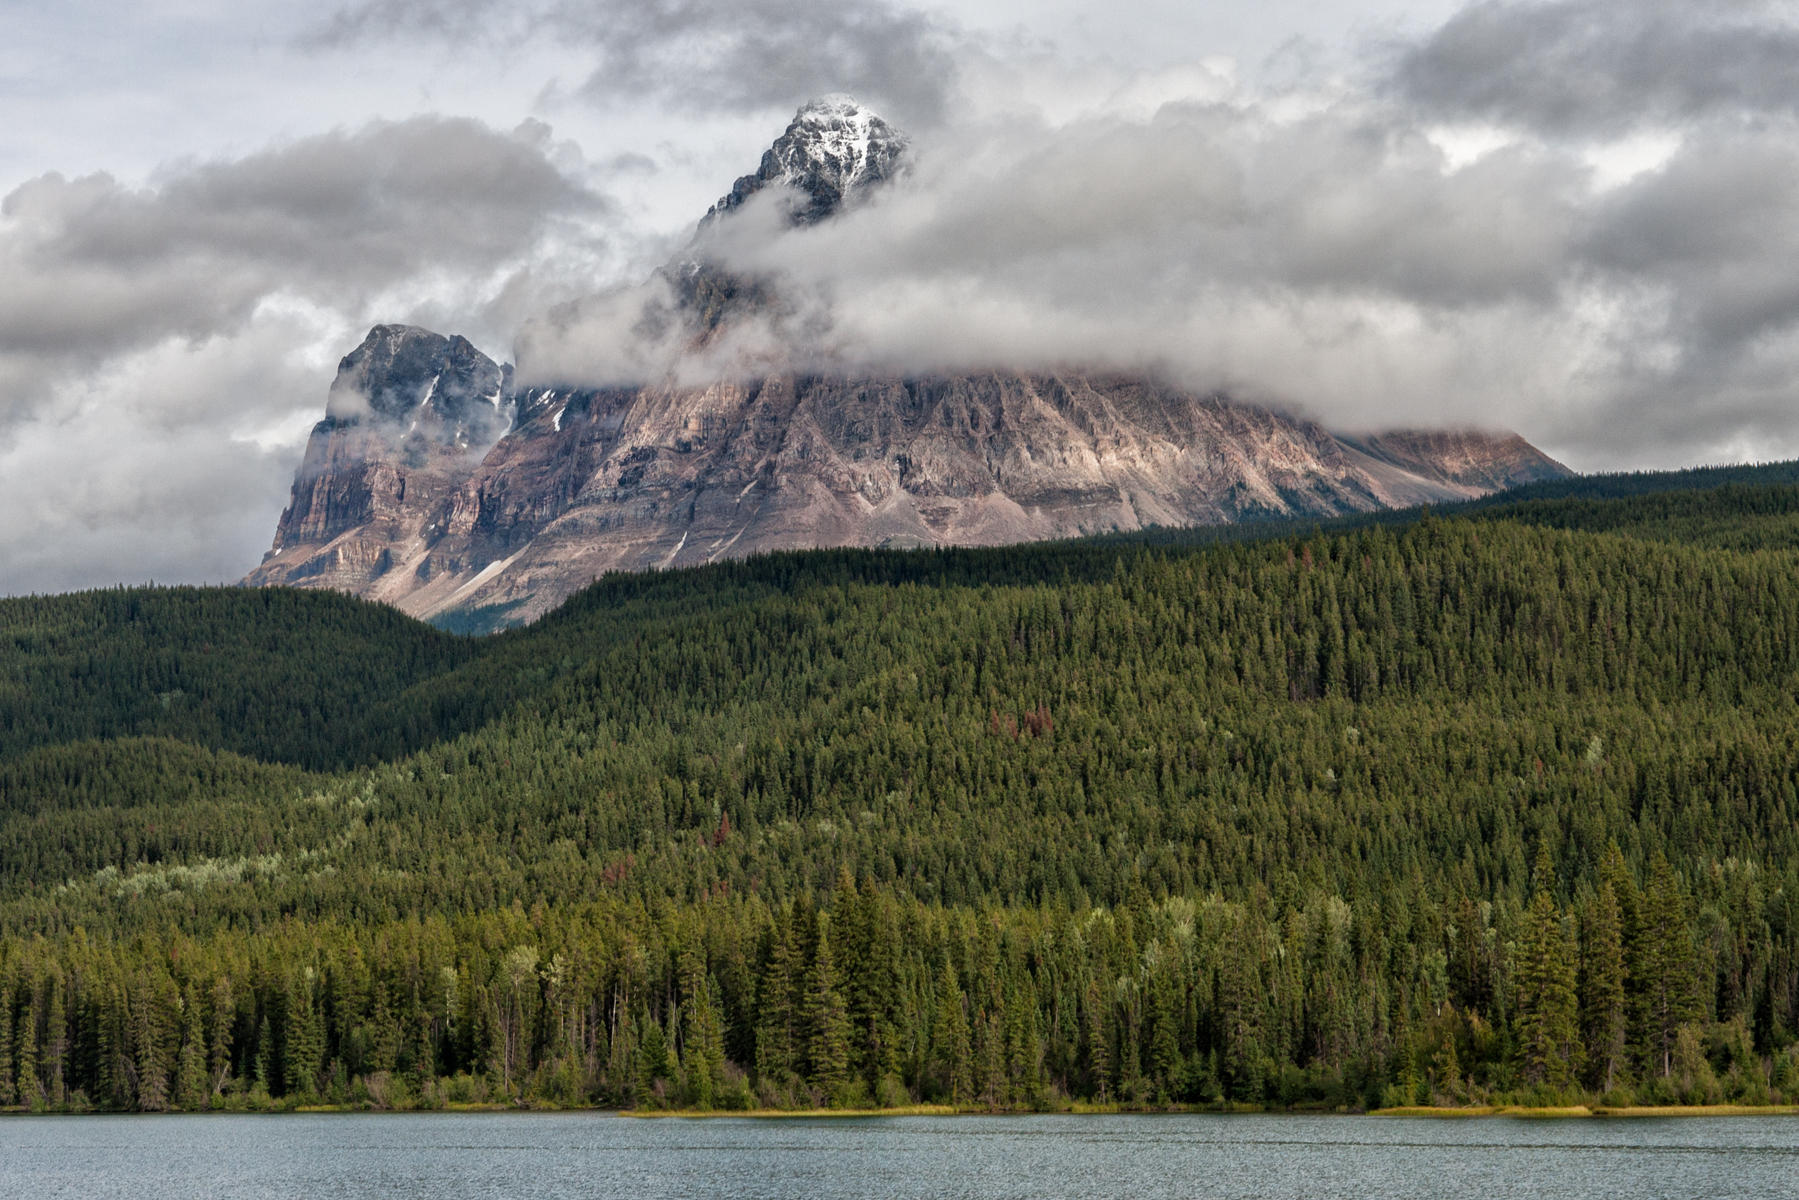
[{"x": 544, "y": 1155}]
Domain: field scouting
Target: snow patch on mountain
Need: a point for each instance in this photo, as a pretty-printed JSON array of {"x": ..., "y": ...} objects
[{"x": 833, "y": 151}]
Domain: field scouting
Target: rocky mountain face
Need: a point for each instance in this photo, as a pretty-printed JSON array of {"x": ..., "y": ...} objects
[{"x": 434, "y": 485}]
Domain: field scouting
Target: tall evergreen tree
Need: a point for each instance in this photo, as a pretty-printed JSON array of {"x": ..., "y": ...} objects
[
  {"x": 56, "y": 1042},
  {"x": 9, "y": 1078},
  {"x": 950, "y": 1051},
  {"x": 1548, "y": 1031},
  {"x": 1096, "y": 1009},
  {"x": 826, "y": 1021},
  {"x": 193, "y": 1086},
  {"x": 1663, "y": 977},
  {"x": 155, "y": 1035},
  {"x": 1604, "y": 1016},
  {"x": 703, "y": 1047},
  {"x": 777, "y": 1010},
  {"x": 222, "y": 1014},
  {"x": 303, "y": 1034},
  {"x": 30, "y": 1087}
]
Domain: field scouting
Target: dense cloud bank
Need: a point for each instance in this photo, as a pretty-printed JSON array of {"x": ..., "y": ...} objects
[
  {"x": 1573, "y": 219},
  {"x": 163, "y": 350},
  {"x": 1613, "y": 282},
  {"x": 704, "y": 55},
  {"x": 1604, "y": 67}
]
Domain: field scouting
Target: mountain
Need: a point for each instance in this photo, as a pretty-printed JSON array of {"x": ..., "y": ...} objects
[{"x": 436, "y": 485}]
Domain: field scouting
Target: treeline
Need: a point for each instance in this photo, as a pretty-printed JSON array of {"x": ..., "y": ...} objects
[{"x": 1632, "y": 991}]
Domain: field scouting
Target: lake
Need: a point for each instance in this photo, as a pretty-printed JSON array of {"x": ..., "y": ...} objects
[{"x": 534, "y": 1155}]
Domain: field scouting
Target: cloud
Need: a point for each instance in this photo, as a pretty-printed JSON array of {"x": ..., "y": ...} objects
[
  {"x": 698, "y": 55},
  {"x": 169, "y": 463},
  {"x": 1569, "y": 218},
  {"x": 1587, "y": 68},
  {"x": 98, "y": 267},
  {"x": 163, "y": 349},
  {"x": 1333, "y": 259}
]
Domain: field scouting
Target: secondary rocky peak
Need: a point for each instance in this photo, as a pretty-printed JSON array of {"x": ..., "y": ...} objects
[
  {"x": 411, "y": 383},
  {"x": 832, "y": 153}
]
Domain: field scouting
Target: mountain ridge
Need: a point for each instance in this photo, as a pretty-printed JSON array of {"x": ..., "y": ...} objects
[{"x": 499, "y": 496}]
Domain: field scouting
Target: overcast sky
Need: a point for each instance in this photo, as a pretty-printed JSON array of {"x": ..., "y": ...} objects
[{"x": 1578, "y": 219}]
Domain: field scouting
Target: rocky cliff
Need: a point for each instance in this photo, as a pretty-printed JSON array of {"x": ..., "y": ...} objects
[{"x": 435, "y": 486}]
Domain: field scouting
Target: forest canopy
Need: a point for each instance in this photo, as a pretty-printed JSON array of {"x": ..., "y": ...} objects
[{"x": 1494, "y": 803}]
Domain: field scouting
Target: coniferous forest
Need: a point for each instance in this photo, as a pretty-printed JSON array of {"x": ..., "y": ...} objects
[{"x": 1490, "y": 804}]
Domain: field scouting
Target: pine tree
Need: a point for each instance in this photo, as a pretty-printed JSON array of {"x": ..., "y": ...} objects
[
  {"x": 192, "y": 1085},
  {"x": 218, "y": 1043},
  {"x": 990, "y": 1059},
  {"x": 949, "y": 1039},
  {"x": 30, "y": 1088},
  {"x": 1546, "y": 1022},
  {"x": 303, "y": 1035},
  {"x": 423, "y": 1058},
  {"x": 1664, "y": 979},
  {"x": 155, "y": 1037},
  {"x": 1096, "y": 1009},
  {"x": 1241, "y": 999},
  {"x": 703, "y": 1047},
  {"x": 875, "y": 990},
  {"x": 826, "y": 1021},
  {"x": 1448, "y": 1065},
  {"x": 1165, "y": 1060},
  {"x": 263, "y": 1066},
  {"x": 9, "y": 1080},
  {"x": 1602, "y": 999},
  {"x": 777, "y": 1013},
  {"x": 1024, "y": 1045},
  {"x": 653, "y": 1065},
  {"x": 56, "y": 1044}
]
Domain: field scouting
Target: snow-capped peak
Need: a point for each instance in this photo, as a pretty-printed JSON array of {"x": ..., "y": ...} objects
[{"x": 833, "y": 151}]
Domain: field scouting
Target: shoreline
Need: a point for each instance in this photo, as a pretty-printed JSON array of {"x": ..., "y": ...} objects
[
  {"x": 1472, "y": 1112},
  {"x": 1583, "y": 1111}
]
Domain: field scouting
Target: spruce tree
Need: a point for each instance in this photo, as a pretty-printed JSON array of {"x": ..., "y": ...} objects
[
  {"x": 222, "y": 1012},
  {"x": 950, "y": 1050},
  {"x": 1546, "y": 1023},
  {"x": 826, "y": 1021},
  {"x": 30, "y": 1087},
  {"x": 1604, "y": 1022},
  {"x": 9, "y": 1079},
  {"x": 1096, "y": 1010},
  {"x": 264, "y": 1069},
  {"x": 703, "y": 1047},
  {"x": 1664, "y": 978},
  {"x": 56, "y": 1044},
  {"x": 422, "y": 1065},
  {"x": 303, "y": 1035},
  {"x": 192, "y": 1086},
  {"x": 1164, "y": 1037},
  {"x": 653, "y": 1063},
  {"x": 155, "y": 1035},
  {"x": 777, "y": 1012}
]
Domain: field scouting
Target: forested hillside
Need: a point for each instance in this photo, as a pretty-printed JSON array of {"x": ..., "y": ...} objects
[{"x": 1502, "y": 803}]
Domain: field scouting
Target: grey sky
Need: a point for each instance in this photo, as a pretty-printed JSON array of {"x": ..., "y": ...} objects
[{"x": 1574, "y": 218}]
